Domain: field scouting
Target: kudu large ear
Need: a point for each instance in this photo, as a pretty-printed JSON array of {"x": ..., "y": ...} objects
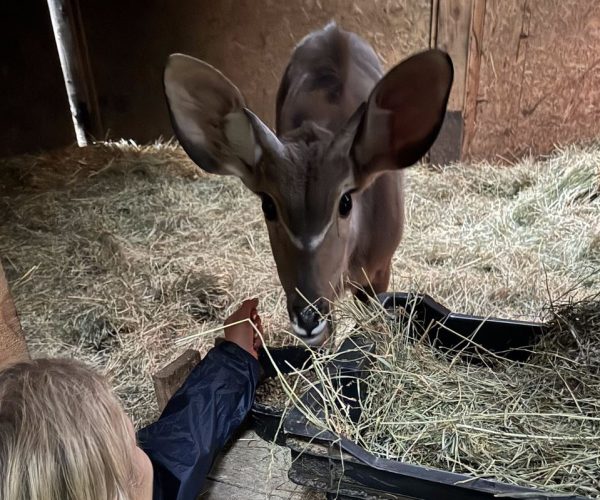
[
  {"x": 404, "y": 114},
  {"x": 210, "y": 119}
]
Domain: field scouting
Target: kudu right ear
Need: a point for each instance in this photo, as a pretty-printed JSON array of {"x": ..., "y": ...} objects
[
  {"x": 210, "y": 119},
  {"x": 404, "y": 114}
]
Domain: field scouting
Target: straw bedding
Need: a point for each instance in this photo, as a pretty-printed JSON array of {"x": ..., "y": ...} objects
[
  {"x": 532, "y": 424},
  {"x": 115, "y": 251}
]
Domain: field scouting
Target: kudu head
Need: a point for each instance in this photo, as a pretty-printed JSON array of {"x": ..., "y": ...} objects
[{"x": 310, "y": 180}]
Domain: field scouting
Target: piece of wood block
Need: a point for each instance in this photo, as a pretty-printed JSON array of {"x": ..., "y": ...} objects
[
  {"x": 13, "y": 346},
  {"x": 215, "y": 490},
  {"x": 170, "y": 378}
]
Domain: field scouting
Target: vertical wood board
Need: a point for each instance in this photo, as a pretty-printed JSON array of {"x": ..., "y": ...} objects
[
  {"x": 450, "y": 25},
  {"x": 12, "y": 341},
  {"x": 452, "y": 36},
  {"x": 79, "y": 84},
  {"x": 539, "y": 78}
]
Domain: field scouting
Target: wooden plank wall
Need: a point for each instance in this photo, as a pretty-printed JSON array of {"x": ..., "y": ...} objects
[
  {"x": 450, "y": 25},
  {"x": 539, "y": 79},
  {"x": 473, "y": 71},
  {"x": 34, "y": 111},
  {"x": 249, "y": 40},
  {"x": 527, "y": 72},
  {"x": 13, "y": 346},
  {"x": 453, "y": 20},
  {"x": 169, "y": 379}
]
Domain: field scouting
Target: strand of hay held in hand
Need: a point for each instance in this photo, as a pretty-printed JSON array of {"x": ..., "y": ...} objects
[{"x": 534, "y": 424}]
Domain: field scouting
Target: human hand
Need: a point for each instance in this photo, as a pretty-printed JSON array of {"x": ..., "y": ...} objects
[{"x": 243, "y": 334}]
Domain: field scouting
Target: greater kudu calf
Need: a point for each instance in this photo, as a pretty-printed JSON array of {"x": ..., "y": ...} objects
[{"x": 330, "y": 179}]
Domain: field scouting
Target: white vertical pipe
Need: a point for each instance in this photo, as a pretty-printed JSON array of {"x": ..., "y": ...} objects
[{"x": 66, "y": 52}]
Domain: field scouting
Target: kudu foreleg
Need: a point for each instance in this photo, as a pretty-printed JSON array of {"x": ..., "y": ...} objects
[{"x": 377, "y": 283}]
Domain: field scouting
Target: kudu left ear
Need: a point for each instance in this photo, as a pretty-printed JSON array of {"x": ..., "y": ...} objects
[
  {"x": 211, "y": 121},
  {"x": 404, "y": 114}
]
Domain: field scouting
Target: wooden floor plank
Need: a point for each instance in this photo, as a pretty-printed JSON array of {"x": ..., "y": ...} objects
[{"x": 254, "y": 469}]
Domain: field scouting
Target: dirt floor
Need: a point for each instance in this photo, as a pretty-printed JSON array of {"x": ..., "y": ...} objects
[{"x": 115, "y": 251}]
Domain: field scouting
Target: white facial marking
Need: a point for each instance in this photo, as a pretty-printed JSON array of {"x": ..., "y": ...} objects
[
  {"x": 315, "y": 336},
  {"x": 312, "y": 242},
  {"x": 301, "y": 332},
  {"x": 320, "y": 327},
  {"x": 295, "y": 240},
  {"x": 315, "y": 241},
  {"x": 298, "y": 330}
]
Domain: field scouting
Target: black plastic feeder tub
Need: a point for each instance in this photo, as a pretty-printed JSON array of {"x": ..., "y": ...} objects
[
  {"x": 266, "y": 419},
  {"x": 343, "y": 469}
]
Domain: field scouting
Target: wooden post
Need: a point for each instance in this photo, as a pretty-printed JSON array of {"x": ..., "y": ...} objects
[
  {"x": 454, "y": 24},
  {"x": 74, "y": 61},
  {"x": 472, "y": 74},
  {"x": 170, "y": 378},
  {"x": 13, "y": 346}
]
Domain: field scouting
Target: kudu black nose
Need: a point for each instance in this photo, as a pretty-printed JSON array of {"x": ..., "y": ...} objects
[{"x": 310, "y": 318}]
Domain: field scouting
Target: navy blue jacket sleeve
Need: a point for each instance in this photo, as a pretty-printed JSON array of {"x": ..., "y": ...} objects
[{"x": 198, "y": 420}]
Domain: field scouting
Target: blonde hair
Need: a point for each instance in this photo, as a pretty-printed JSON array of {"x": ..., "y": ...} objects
[{"x": 63, "y": 434}]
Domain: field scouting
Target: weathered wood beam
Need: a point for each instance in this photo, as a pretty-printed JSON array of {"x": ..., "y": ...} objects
[
  {"x": 450, "y": 31},
  {"x": 472, "y": 73},
  {"x": 13, "y": 346}
]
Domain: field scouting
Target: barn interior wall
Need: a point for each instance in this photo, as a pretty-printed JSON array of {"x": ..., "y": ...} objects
[
  {"x": 539, "y": 78},
  {"x": 249, "y": 40},
  {"x": 538, "y": 83},
  {"x": 34, "y": 112}
]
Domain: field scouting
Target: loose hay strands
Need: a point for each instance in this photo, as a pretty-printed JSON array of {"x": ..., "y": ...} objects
[
  {"x": 113, "y": 252},
  {"x": 195, "y": 336},
  {"x": 535, "y": 424}
]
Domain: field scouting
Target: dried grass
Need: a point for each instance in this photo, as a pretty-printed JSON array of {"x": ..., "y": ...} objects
[
  {"x": 535, "y": 424},
  {"x": 114, "y": 251},
  {"x": 518, "y": 242}
]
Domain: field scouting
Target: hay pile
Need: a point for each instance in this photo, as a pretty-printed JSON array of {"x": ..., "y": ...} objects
[
  {"x": 534, "y": 424},
  {"x": 114, "y": 251}
]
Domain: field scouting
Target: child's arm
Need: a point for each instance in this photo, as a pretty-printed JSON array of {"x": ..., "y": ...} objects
[{"x": 204, "y": 412}]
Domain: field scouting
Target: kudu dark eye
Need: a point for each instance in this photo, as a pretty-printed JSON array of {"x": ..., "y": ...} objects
[
  {"x": 345, "y": 205},
  {"x": 268, "y": 207}
]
